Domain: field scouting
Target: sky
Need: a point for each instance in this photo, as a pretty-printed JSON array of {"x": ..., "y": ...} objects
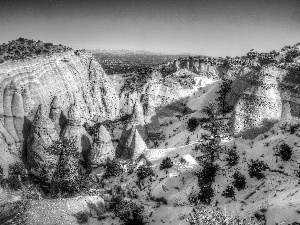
[{"x": 204, "y": 27}]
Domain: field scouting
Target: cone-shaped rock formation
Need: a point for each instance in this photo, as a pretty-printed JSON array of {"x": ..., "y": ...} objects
[
  {"x": 102, "y": 148},
  {"x": 258, "y": 107}
]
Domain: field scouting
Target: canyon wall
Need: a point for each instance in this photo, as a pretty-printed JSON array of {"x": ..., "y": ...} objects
[{"x": 68, "y": 77}]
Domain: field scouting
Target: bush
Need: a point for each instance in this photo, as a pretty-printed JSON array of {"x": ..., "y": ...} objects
[
  {"x": 206, "y": 194},
  {"x": 81, "y": 217},
  {"x": 239, "y": 180},
  {"x": 166, "y": 163},
  {"x": 113, "y": 169},
  {"x": 144, "y": 171},
  {"x": 208, "y": 173},
  {"x": 192, "y": 124},
  {"x": 232, "y": 157},
  {"x": 18, "y": 169},
  {"x": 285, "y": 152},
  {"x": 14, "y": 183},
  {"x": 130, "y": 213},
  {"x": 229, "y": 192},
  {"x": 256, "y": 167}
]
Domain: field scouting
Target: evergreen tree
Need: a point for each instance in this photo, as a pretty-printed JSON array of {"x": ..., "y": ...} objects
[{"x": 225, "y": 88}]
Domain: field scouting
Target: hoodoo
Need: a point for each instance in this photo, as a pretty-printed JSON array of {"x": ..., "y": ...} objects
[{"x": 102, "y": 148}]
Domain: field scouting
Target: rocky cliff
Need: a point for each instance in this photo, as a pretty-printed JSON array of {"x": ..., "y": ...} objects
[
  {"x": 65, "y": 77},
  {"x": 258, "y": 95}
]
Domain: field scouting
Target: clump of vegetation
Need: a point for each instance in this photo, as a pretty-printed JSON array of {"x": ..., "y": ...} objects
[
  {"x": 256, "y": 167},
  {"x": 68, "y": 177},
  {"x": 232, "y": 157},
  {"x": 166, "y": 163},
  {"x": 81, "y": 217},
  {"x": 25, "y": 48},
  {"x": 208, "y": 173},
  {"x": 285, "y": 152},
  {"x": 129, "y": 212},
  {"x": 113, "y": 169},
  {"x": 144, "y": 171},
  {"x": 206, "y": 194},
  {"x": 225, "y": 88},
  {"x": 239, "y": 180},
  {"x": 229, "y": 192},
  {"x": 17, "y": 174},
  {"x": 192, "y": 124}
]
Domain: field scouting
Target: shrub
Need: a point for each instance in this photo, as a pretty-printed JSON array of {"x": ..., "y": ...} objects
[
  {"x": 232, "y": 157},
  {"x": 130, "y": 213},
  {"x": 81, "y": 217},
  {"x": 239, "y": 180},
  {"x": 285, "y": 152},
  {"x": 144, "y": 171},
  {"x": 256, "y": 167},
  {"x": 229, "y": 192},
  {"x": 18, "y": 169},
  {"x": 192, "y": 124},
  {"x": 113, "y": 168},
  {"x": 206, "y": 194},
  {"x": 14, "y": 183},
  {"x": 208, "y": 173},
  {"x": 166, "y": 163}
]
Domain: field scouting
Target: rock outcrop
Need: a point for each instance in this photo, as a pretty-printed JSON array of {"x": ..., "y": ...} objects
[
  {"x": 75, "y": 130},
  {"x": 102, "y": 148},
  {"x": 258, "y": 107},
  {"x": 55, "y": 81},
  {"x": 137, "y": 146},
  {"x": 55, "y": 114},
  {"x": 136, "y": 121}
]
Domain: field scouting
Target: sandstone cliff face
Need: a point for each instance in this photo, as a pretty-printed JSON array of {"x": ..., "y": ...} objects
[
  {"x": 56, "y": 82},
  {"x": 259, "y": 106},
  {"x": 79, "y": 77},
  {"x": 196, "y": 66},
  {"x": 261, "y": 94}
]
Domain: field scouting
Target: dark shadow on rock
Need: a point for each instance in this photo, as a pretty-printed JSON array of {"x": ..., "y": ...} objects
[
  {"x": 252, "y": 133},
  {"x": 86, "y": 148},
  {"x": 26, "y": 131},
  {"x": 62, "y": 122}
]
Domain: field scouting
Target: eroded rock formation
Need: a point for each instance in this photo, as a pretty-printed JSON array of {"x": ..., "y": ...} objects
[
  {"x": 259, "y": 106},
  {"x": 102, "y": 148},
  {"x": 75, "y": 130}
]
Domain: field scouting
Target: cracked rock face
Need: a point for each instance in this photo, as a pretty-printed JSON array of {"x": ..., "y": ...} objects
[{"x": 102, "y": 148}]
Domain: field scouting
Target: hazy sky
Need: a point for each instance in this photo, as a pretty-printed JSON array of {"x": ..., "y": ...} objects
[{"x": 209, "y": 27}]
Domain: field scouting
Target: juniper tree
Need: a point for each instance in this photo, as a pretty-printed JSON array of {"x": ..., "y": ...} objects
[{"x": 225, "y": 88}]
